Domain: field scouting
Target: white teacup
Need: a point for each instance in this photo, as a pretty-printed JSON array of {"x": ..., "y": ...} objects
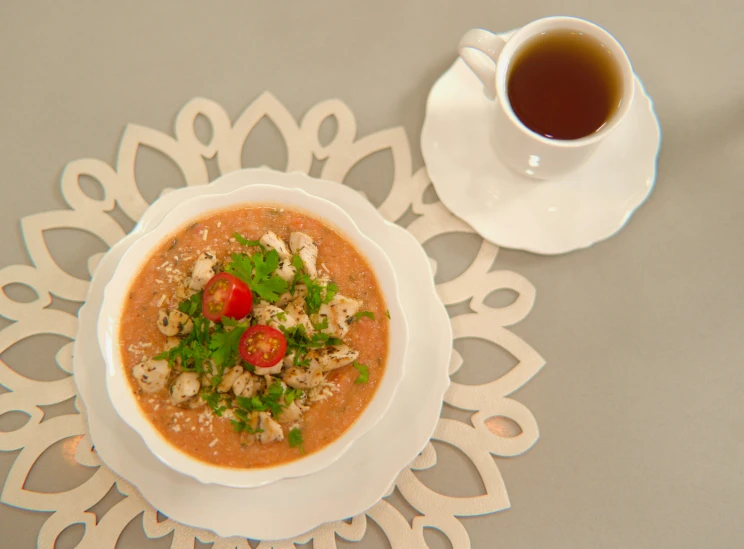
[{"x": 529, "y": 153}]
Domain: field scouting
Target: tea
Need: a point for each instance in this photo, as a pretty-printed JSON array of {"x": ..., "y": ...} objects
[{"x": 564, "y": 84}]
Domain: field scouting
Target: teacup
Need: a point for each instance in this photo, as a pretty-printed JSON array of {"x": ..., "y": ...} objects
[{"x": 560, "y": 84}]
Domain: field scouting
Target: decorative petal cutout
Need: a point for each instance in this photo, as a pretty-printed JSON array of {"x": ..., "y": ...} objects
[
  {"x": 428, "y": 502},
  {"x": 476, "y": 397},
  {"x": 346, "y": 128},
  {"x": 186, "y": 129},
  {"x": 48, "y": 321},
  {"x": 188, "y": 161},
  {"x": 24, "y": 416},
  {"x": 59, "y": 281},
  {"x": 46, "y": 434},
  {"x": 452, "y": 528},
  {"x": 104, "y": 174},
  {"x": 299, "y": 155},
  {"x": 30, "y": 277},
  {"x": 504, "y": 427},
  {"x": 509, "y": 446},
  {"x": 338, "y": 167}
]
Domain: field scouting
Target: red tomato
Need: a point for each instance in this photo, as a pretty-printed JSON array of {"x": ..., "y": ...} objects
[
  {"x": 226, "y": 295},
  {"x": 262, "y": 346}
]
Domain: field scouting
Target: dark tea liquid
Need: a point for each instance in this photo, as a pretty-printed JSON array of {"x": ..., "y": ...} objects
[{"x": 564, "y": 84}]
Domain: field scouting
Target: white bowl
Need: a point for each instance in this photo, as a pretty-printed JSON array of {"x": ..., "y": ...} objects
[{"x": 132, "y": 263}]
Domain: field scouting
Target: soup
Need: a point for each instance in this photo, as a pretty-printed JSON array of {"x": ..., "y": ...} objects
[{"x": 254, "y": 336}]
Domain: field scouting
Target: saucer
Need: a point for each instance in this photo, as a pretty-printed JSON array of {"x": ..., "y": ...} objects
[
  {"x": 543, "y": 217},
  {"x": 288, "y": 507}
]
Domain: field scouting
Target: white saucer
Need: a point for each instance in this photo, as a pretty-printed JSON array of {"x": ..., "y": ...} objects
[
  {"x": 289, "y": 507},
  {"x": 549, "y": 217}
]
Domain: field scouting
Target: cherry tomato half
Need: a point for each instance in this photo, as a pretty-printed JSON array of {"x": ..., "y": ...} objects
[
  {"x": 262, "y": 346},
  {"x": 226, "y": 295}
]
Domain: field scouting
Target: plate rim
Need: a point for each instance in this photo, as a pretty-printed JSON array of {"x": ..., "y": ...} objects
[
  {"x": 138, "y": 252},
  {"x": 436, "y": 388}
]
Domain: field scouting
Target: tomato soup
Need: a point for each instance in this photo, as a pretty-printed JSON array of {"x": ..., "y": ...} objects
[{"x": 328, "y": 409}]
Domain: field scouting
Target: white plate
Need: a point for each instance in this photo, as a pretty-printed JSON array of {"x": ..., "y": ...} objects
[
  {"x": 289, "y": 507},
  {"x": 545, "y": 217},
  {"x": 138, "y": 255}
]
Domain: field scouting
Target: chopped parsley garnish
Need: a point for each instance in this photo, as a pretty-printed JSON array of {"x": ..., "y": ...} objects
[
  {"x": 295, "y": 439},
  {"x": 192, "y": 305},
  {"x": 317, "y": 294},
  {"x": 224, "y": 343},
  {"x": 213, "y": 400},
  {"x": 290, "y": 395},
  {"x": 367, "y": 314},
  {"x": 387, "y": 312},
  {"x": 363, "y": 376},
  {"x": 299, "y": 343},
  {"x": 270, "y": 401},
  {"x": 256, "y": 271},
  {"x": 322, "y": 325}
]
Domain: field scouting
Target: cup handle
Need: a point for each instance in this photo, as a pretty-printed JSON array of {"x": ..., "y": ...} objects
[{"x": 473, "y": 48}]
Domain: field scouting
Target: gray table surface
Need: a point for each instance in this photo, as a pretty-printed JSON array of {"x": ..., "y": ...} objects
[{"x": 642, "y": 431}]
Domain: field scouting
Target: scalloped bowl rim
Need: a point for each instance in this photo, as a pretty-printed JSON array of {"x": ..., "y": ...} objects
[{"x": 117, "y": 384}]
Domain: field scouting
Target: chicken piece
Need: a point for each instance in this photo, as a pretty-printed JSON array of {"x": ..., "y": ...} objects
[
  {"x": 229, "y": 378},
  {"x": 288, "y": 360},
  {"x": 172, "y": 322},
  {"x": 203, "y": 270},
  {"x": 271, "y": 240},
  {"x": 296, "y": 309},
  {"x": 340, "y": 313},
  {"x": 151, "y": 375},
  {"x": 302, "y": 245},
  {"x": 271, "y": 370},
  {"x": 273, "y": 316},
  {"x": 329, "y": 358},
  {"x": 184, "y": 387},
  {"x": 302, "y": 378},
  {"x": 247, "y": 385},
  {"x": 249, "y": 437},
  {"x": 196, "y": 402},
  {"x": 210, "y": 370},
  {"x": 285, "y": 270},
  {"x": 270, "y": 430},
  {"x": 284, "y": 299},
  {"x": 290, "y": 414}
]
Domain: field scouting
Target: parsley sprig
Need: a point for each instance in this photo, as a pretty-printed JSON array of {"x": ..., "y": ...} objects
[
  {"x": 363, "y": 376},
  {"x": 223, "y": 344},
  {"x": 192, "y": 305},
  {"x": 275, "y": 399},
  {"x": 317, "y": 293},
  {"x": 300, "y": 343},
  {"x": 295, "y": 439},
  {"x": 257, "y": 272}
]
